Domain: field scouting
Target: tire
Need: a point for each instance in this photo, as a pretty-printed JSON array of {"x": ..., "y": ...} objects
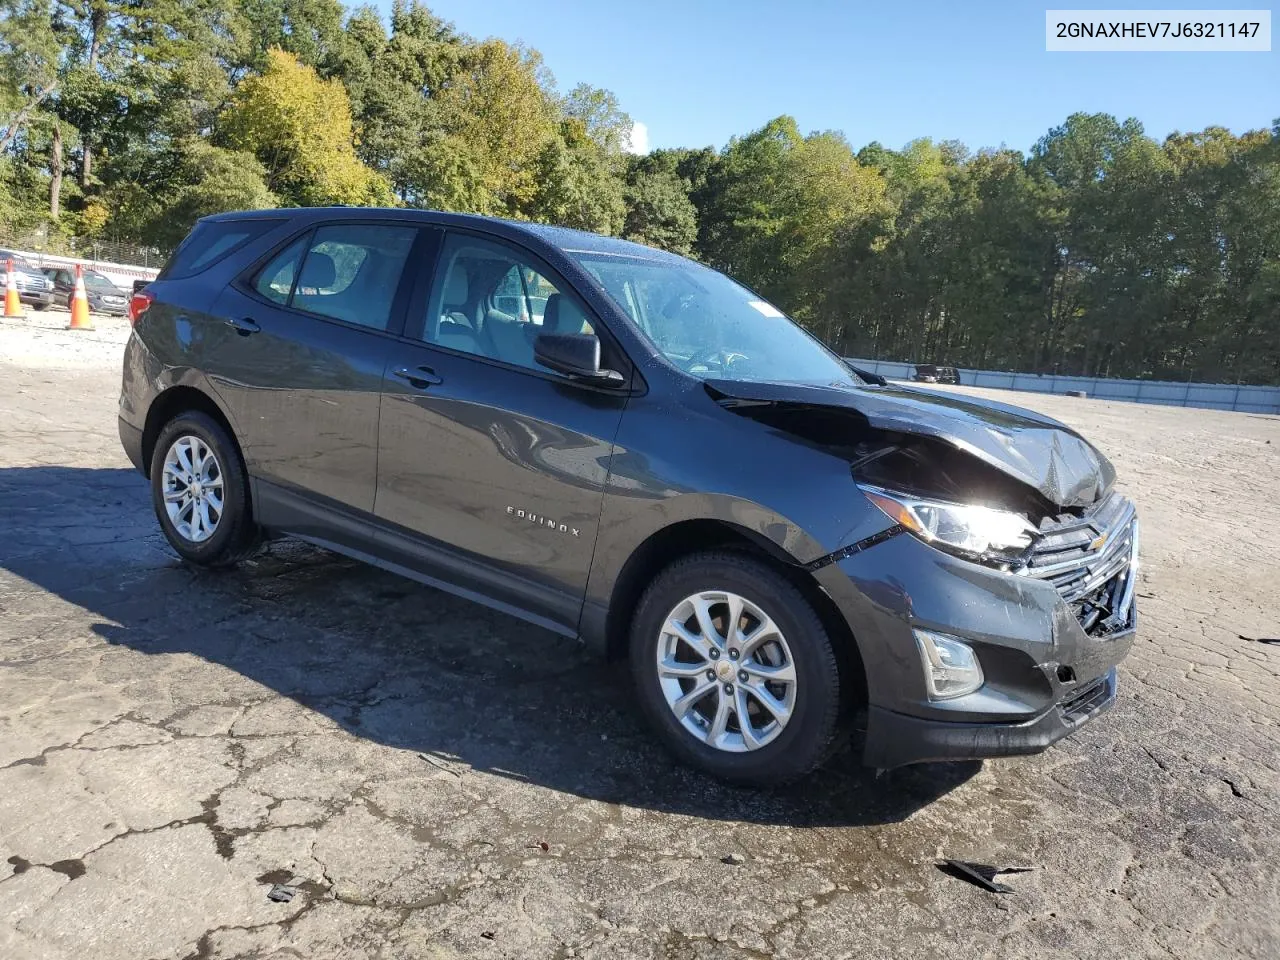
[
  {"x": 41, "y": 306},
  {"x": 781, "y": 753},
  {"x": 234, "y": 535}
]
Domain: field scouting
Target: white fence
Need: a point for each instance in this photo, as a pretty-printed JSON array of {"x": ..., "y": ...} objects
[
  {"x": 1215, "y": 396},
  {"x": 120, "y": 273}
]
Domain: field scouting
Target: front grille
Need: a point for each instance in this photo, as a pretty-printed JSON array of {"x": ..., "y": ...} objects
[
  {"x": 1091, "y": 560},
  {"x": 1085, "y": 701}
]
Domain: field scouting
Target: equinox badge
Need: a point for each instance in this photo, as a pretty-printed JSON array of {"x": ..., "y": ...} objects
[{"x": 542, "y": 521}]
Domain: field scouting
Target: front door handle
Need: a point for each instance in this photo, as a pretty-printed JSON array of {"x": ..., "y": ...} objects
[
  {"x": 243, "y": 326},
  {"x": 420, "y": 377}
]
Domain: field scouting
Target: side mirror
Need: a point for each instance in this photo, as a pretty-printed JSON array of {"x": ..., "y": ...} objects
[{"x": 574, "y": 354}]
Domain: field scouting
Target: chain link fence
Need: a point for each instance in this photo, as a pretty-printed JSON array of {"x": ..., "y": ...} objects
[{"x": 112, "y": 251}]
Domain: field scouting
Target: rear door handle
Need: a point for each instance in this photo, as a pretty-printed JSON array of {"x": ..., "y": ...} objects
[
  {"x": 420, "y": 377},
  {"x": 244, "y": 326}
]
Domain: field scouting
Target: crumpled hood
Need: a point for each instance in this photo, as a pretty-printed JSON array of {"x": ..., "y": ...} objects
[{"x": 1037, "y": 450}]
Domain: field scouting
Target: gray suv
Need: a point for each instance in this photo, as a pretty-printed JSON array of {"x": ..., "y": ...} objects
[
  {"x": 624, "y": 446},
  {"x": 34, "y": 287}
]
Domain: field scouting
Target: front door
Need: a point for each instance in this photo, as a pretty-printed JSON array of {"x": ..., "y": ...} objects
[
  {"x": 491, "y": 467},
  {"x": 298, "y": 358}
]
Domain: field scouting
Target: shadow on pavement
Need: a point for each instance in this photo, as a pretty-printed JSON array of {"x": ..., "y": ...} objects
[{"x": 395, "y": 662}]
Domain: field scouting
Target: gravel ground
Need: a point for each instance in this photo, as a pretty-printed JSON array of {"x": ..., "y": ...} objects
[
  {"x": 41, "y": 340},
  {"x": 437, "y": 780}
]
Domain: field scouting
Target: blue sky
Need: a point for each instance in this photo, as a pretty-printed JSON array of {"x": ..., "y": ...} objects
[{"x": 696, "y": 72}]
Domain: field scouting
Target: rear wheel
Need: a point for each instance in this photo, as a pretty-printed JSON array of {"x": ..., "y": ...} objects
[
  {"x": 734, "y": 669},
  {"x": 200, "y": 492}
]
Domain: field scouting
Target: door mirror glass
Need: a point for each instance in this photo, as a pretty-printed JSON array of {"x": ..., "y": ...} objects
[{"x": 573, "y": 354}]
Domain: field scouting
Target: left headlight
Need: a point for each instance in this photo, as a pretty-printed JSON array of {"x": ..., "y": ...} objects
[{"x": 965, "y": 528}]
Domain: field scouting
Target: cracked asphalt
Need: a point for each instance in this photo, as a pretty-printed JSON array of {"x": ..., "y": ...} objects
[{"x": 437, "y": 780}]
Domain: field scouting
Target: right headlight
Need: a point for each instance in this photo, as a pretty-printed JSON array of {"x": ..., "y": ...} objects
[{"x": 965, "y": 528}]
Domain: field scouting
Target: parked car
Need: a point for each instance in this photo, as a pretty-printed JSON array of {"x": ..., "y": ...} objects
[
  {"x": 34, "y": 287},
  {"x": 101, "y": 291},
  {"x": 931, "y": 373},
  {"x": 665, "y": 467}
]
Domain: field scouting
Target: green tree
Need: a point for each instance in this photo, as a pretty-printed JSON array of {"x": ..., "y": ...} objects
[
  {"x": 603, "y": 119},
  {"x": 311, "y": 30},
  {"x": 1103, "y": 252},
  {"x": 392, "y": 79},
  {"x": 780, "y": 206},
  {"x": 207, "y": 180},
  {"x": 576, "y": 183},
  {"x": 29, "y": 53},
  {"x": 299, "y": 127},
  {"x": 494, "y": 122},
  {"x": 659, "y": 211}
]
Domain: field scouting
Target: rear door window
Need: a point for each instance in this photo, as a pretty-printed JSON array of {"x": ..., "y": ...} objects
[
  {"x": 351, "y": 272},
  {"x": 209, "y": 242}
]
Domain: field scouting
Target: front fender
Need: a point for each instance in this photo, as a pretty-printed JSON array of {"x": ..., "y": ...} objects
[
  {"x": 626, "y": 528},
  {"x": 682, "y": 457}
]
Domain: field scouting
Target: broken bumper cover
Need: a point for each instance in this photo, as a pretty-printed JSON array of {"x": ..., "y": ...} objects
[
  {"x": 896, "y": 739},
  {"x": 1048, "y": 662}
]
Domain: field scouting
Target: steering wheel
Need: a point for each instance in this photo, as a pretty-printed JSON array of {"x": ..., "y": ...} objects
[{"x": 722, "y": 358}]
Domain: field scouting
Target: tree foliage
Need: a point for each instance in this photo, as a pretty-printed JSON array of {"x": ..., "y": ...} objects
[
  {"x": 299, "y": 127},
  {"x": 1102, "y": 251}
]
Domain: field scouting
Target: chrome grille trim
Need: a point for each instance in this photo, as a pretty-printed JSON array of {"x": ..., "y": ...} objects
[{"x": 1064, "y": 555}]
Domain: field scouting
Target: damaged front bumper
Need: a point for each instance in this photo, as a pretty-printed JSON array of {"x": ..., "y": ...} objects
[
  {"x": 1048, "y": 637},
  {"x": 896, "y": 739}
]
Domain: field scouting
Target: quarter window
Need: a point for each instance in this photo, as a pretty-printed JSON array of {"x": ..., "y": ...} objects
[
  {"x": 275, "y": 280},
  {"x": 210, "y": 241}
]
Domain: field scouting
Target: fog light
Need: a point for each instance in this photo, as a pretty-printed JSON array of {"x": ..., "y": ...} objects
[{"x": 951, "y": 668}]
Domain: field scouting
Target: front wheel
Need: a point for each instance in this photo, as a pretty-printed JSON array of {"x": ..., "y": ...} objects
[
  {"x": 735, "y": 671},
  {"x": 200, "y": 492}
]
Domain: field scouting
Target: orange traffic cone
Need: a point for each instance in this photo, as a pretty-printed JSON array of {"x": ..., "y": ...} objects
[
  {"x": 12, "y": 305},
  {"x": 80, "y": 319}
]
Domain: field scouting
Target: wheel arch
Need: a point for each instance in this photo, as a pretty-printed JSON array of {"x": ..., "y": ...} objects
[
  {"x": 174, "y": 401},
  {"x": 668, "y": 544}
]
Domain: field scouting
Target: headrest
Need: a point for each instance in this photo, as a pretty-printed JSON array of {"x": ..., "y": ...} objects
[
  {"x": 562, "y": 316},
  {"x": 318, "y": 272},
  {"x": 551, "y": 314},
  {"x": 455, "y": 287}
]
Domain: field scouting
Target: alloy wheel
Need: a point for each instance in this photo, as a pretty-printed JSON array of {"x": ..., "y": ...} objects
[
  {"x": 726, "y": 671},
  {"x": 191, "y": 483}
]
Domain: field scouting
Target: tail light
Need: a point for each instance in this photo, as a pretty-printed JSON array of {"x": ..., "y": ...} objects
[{"x": 138, "y": 306}]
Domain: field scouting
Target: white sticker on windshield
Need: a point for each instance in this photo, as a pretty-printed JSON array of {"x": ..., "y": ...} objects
[{"x": 768, "y": 309}]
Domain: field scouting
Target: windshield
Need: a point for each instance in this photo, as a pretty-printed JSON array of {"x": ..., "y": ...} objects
[
  {"x": 97, "y": 281},
  {"x": 710, "y": 326}
]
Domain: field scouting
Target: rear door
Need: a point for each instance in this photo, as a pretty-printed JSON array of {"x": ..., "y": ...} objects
[
  {"x": 492, "y": 468},
  {"x": 298, "y": 358}
]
